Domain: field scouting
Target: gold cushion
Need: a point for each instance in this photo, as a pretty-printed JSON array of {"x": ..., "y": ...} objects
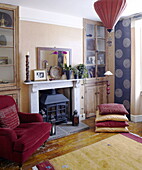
[
  {"x": 100, "y": 118},
  {"x": 112, "y": 130}
]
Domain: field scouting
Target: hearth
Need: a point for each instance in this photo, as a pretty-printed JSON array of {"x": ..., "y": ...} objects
[{"x": 53, "y": 106}]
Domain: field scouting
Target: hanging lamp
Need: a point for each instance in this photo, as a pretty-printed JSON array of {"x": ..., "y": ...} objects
[{"x": 109, "y": 11}]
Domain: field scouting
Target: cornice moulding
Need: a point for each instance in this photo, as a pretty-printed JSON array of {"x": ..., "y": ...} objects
[{"x": 34, "y": 15}]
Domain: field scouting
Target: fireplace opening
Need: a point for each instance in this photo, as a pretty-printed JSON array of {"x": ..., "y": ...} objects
[{"x": 53, "y": 106}]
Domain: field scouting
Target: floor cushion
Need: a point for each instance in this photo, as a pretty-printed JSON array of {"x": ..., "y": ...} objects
[{"x": 112, "y": 108}]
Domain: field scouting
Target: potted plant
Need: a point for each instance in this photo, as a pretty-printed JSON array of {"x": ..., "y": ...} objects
[
  {"x": 83, "y": 72},
  {"x": 76, "y": 72},
  {"x": 68, "y": 70}
]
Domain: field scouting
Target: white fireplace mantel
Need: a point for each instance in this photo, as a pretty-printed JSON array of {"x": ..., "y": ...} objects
[{"x": 36, "y": 86}]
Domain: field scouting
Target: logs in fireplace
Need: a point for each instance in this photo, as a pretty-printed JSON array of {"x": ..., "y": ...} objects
[{"x": 53, "y": 106}]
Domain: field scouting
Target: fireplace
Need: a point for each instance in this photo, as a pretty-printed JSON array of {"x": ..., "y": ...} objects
[
  {"x": 36, "y": 86},
  {"x": 53, "y": 106}
]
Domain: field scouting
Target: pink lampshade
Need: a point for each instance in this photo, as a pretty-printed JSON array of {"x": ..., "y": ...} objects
[{"x": 109, "y": 11}]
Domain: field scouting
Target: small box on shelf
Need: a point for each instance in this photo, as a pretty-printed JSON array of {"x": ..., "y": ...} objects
[{"x": 3, "y": 60}]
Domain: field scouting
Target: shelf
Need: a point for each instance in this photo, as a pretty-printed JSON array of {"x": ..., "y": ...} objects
[
  {"x": 101, "y": 65},
  {"x": 8, "y": 28},
  {"x": 102, "y": 38},
  {"x": 6, "y": 65},
  {"x": 91, "y": 50},
  {"x": 91, "y": 65},
  {"x": 6, "y": 46},
  {"x": 90, "y": 37}
]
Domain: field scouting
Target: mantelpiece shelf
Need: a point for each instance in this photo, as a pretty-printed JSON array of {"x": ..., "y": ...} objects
[{"x": 50, "y": 82}]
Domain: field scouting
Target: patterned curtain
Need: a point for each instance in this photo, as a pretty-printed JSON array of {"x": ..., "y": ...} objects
[{"x": 123, "y": 63}]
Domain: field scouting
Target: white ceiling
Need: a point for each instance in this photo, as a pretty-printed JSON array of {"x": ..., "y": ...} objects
[{"x": 78, "y": 8}]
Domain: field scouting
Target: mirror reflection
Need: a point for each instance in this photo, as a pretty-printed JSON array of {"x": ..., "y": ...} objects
[{"x": 49, "y": 57}]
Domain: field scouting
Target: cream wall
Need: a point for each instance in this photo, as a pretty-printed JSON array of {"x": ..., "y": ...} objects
[{"x": 35, "y": 34}]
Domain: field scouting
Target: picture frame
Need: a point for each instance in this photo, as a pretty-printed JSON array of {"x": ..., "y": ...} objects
[{"x": 40, "y": 75}]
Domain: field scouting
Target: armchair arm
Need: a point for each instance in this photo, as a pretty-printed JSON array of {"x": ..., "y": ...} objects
[
  {"x": 9, "y": 134},
  {"x": 8, "y": 138},
  {"x": 30, "y": 117}
]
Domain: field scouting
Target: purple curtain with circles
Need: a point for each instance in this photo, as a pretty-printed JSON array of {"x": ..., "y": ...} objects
[{"x": 123, "y": 63}]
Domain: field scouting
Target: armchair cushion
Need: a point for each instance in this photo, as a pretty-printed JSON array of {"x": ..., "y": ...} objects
[
  {"x": 9, "y": 134},
  {"x": 9, "y": 117},
  {"x": 25, "y": 131},
  {"x": 29, "y": 117}
]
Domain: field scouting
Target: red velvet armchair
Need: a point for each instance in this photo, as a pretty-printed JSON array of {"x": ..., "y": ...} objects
[{"x": 20, "y": 133}]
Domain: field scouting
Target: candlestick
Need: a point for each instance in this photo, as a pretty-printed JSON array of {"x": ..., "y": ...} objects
[
  {"x": 28, "y": 53},
  {"x": 27, "y": 68}
]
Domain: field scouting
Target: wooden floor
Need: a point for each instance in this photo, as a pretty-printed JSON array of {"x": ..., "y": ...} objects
[{"x": 73, "y": 142}]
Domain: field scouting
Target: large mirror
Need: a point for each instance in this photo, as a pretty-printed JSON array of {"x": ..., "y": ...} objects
[{"x": 50, "y": 57}]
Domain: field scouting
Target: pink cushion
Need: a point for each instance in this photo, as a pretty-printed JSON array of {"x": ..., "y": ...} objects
[
  {"x": 112, "y": 124},
  {"x": 9, "y": 117},
  {"x": 112, "y": 108}
]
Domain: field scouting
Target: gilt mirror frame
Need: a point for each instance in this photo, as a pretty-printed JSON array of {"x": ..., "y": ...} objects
[{"x": 53, "y": 52}]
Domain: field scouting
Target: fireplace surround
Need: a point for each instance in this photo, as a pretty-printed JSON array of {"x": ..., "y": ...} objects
[{"x": 36, "y": 86}]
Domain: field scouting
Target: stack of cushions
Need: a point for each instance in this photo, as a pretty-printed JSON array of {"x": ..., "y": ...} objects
[{"x": 111, "y": 118}]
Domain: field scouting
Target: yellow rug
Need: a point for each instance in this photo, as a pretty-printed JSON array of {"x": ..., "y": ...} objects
[{"x": 114, "y": 153}]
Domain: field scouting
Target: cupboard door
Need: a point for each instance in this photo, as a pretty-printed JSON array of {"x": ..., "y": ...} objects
[
  {"x": 94, "y": 48},
  {"x": 13, "y": 93},
  {"x": 8, "y": 45},
  {"x": 102, "y": 94},
  {"x": 95, "y": 94},
  {"x": 9, "y": 51},
  {"x": 90, "y": 101}
]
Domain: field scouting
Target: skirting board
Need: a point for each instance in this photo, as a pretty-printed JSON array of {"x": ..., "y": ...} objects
[{"x": 136, "y": 118}]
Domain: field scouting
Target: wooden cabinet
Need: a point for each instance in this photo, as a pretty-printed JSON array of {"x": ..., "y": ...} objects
[
  {"x": 95, "y": 60},
  {"x": 13, "y": 93},
  {"x": 94, "y": 94},
  {"x": 9, "y": 50}
]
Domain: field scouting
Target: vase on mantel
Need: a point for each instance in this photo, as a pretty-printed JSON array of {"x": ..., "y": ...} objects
[{"x": 68, "y": 74}]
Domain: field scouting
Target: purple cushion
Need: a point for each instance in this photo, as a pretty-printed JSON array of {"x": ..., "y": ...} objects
[
  {"x": 112, "y": 108},
  {"x": 9, "y": 117}
]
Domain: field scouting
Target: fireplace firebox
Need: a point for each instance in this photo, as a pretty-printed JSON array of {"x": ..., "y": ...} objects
[{"x": 53, "y": 106}]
